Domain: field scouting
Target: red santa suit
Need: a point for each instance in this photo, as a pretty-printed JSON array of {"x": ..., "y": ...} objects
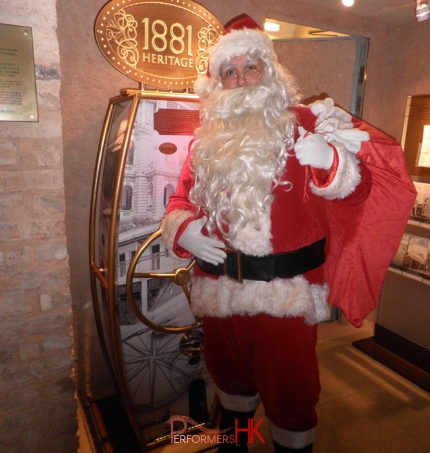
[
  {"x": 361, "y": 209},
  {"x": 344, "y": 207},
  {"x": 337, "y": 232}
]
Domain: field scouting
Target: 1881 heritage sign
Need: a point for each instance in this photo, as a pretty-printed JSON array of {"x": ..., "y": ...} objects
[{"x": 161, "y": 43}]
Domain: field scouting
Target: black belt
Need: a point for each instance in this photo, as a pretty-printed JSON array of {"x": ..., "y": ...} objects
[{"x": 238, "y": 266}]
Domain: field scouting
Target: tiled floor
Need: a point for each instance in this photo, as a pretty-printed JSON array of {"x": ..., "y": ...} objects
[{"x": 364, "y": 406}]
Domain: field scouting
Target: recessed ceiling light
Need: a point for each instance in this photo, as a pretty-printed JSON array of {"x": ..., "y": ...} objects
[
  {"x": 422, "y": 11},
  {"x": 271, "y": 26}
]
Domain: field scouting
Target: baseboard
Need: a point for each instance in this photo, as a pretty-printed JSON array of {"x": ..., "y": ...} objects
[
  {"x": 393, "y": 361},
  {"x": 403, "y": 347}
]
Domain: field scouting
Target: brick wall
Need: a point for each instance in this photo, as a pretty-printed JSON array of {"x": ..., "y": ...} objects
[{"x": 37, "y": 405}]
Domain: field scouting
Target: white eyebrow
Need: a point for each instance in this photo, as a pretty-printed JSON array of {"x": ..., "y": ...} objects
[
  {"x": 253, "y": 61},
  {"x": 229, "y": 65}
]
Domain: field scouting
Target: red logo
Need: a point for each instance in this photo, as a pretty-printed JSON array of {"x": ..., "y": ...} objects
[{"x": 251, "y": 429}]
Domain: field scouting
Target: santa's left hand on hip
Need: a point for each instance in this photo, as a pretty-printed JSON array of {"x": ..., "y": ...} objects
[{"x": 312, "y": 149}]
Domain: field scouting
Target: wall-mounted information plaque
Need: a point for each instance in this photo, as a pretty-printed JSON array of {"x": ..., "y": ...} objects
[{"x": 18, "y": 99}]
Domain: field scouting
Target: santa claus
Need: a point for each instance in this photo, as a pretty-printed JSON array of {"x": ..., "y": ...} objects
[{"x": 279, "y": 203}]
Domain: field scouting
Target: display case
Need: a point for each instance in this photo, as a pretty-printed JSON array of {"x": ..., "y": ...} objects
[{"x": 402, "y": 336}]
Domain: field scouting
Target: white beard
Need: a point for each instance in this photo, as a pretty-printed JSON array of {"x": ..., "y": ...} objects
[{"x": 239, "y": 154}]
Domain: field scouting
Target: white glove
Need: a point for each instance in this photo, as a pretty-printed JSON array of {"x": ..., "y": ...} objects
[
  {"x": 201, "y": 246},
  {"x": 312, "y": 149}
]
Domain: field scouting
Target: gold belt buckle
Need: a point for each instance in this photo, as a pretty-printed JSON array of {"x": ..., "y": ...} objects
[{"x": 239, "y": 278}]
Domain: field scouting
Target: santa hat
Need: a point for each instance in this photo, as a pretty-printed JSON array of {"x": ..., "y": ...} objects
[{"x": 242, "y": 36}]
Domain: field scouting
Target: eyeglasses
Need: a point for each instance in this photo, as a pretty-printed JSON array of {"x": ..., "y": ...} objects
[{"x": 230, "y": 79}]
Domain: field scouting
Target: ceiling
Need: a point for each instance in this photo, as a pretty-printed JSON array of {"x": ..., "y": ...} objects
[{"x": 391, "y": 12}]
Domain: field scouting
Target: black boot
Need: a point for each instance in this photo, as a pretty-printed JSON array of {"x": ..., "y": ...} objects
[
  {"x": 228, "y": 421},
  {"x": 282, "y": 449}
]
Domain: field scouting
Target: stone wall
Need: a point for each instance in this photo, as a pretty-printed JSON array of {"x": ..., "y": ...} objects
[{"x": 37, "y": 404}]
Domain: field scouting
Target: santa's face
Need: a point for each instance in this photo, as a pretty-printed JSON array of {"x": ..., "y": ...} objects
[
  {"x": 240, "y": 150},
  {"x": 240, "y": 71}
]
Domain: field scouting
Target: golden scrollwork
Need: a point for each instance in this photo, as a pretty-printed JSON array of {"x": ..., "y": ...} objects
[
  {"x": 206, "y": 38},
  {"x": 122, "y": 31}
]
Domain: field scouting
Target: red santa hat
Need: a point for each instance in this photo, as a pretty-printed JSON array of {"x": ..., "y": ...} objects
[{"x": 242, "y": 36}]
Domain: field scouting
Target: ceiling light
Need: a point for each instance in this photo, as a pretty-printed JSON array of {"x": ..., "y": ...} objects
[
  {"x": 422, "y": 11},
  {"x": 271, "y": 26},
  {"x": 348, "y": 2}
]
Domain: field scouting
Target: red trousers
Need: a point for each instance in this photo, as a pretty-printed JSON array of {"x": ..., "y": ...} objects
[{"x": 272, "y": 357}]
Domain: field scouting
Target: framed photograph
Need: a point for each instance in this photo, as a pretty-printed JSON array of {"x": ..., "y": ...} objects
[
  {"x": 420, "y": 214},
  {"x": 416, "y": 137}
]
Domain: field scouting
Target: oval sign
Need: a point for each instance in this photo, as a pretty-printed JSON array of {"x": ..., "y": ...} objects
[
  {"x": 158, "y": 43},
  {"x": 168, "y": 148}
]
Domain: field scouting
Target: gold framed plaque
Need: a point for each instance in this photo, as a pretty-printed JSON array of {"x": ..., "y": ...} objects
[
  {"x": 160, "y": 43},
  {"x": 18, "y": 99}
]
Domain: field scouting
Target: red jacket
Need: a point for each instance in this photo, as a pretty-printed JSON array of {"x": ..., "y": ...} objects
[{"x": 361, "y": 207}]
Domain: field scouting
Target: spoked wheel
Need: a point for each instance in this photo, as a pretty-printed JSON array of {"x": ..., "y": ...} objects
[{"x": 180, "y": 276}]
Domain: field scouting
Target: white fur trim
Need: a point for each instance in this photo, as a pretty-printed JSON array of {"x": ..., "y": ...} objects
[
  {"x": 326, "y": 109},
  {"x": 203, "y": 83},
  {"x": 281, "y": 297},
  {"x": 255, "y": 242},
  {"x": 291, "y": 439},
  {"x": 170, "y": 225},
  {"x": 239, "y": 42},
  {"x": 336, "y": 126},
  {"x": 346, "y": 179},
  {"x": 238, "y": 403}
]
